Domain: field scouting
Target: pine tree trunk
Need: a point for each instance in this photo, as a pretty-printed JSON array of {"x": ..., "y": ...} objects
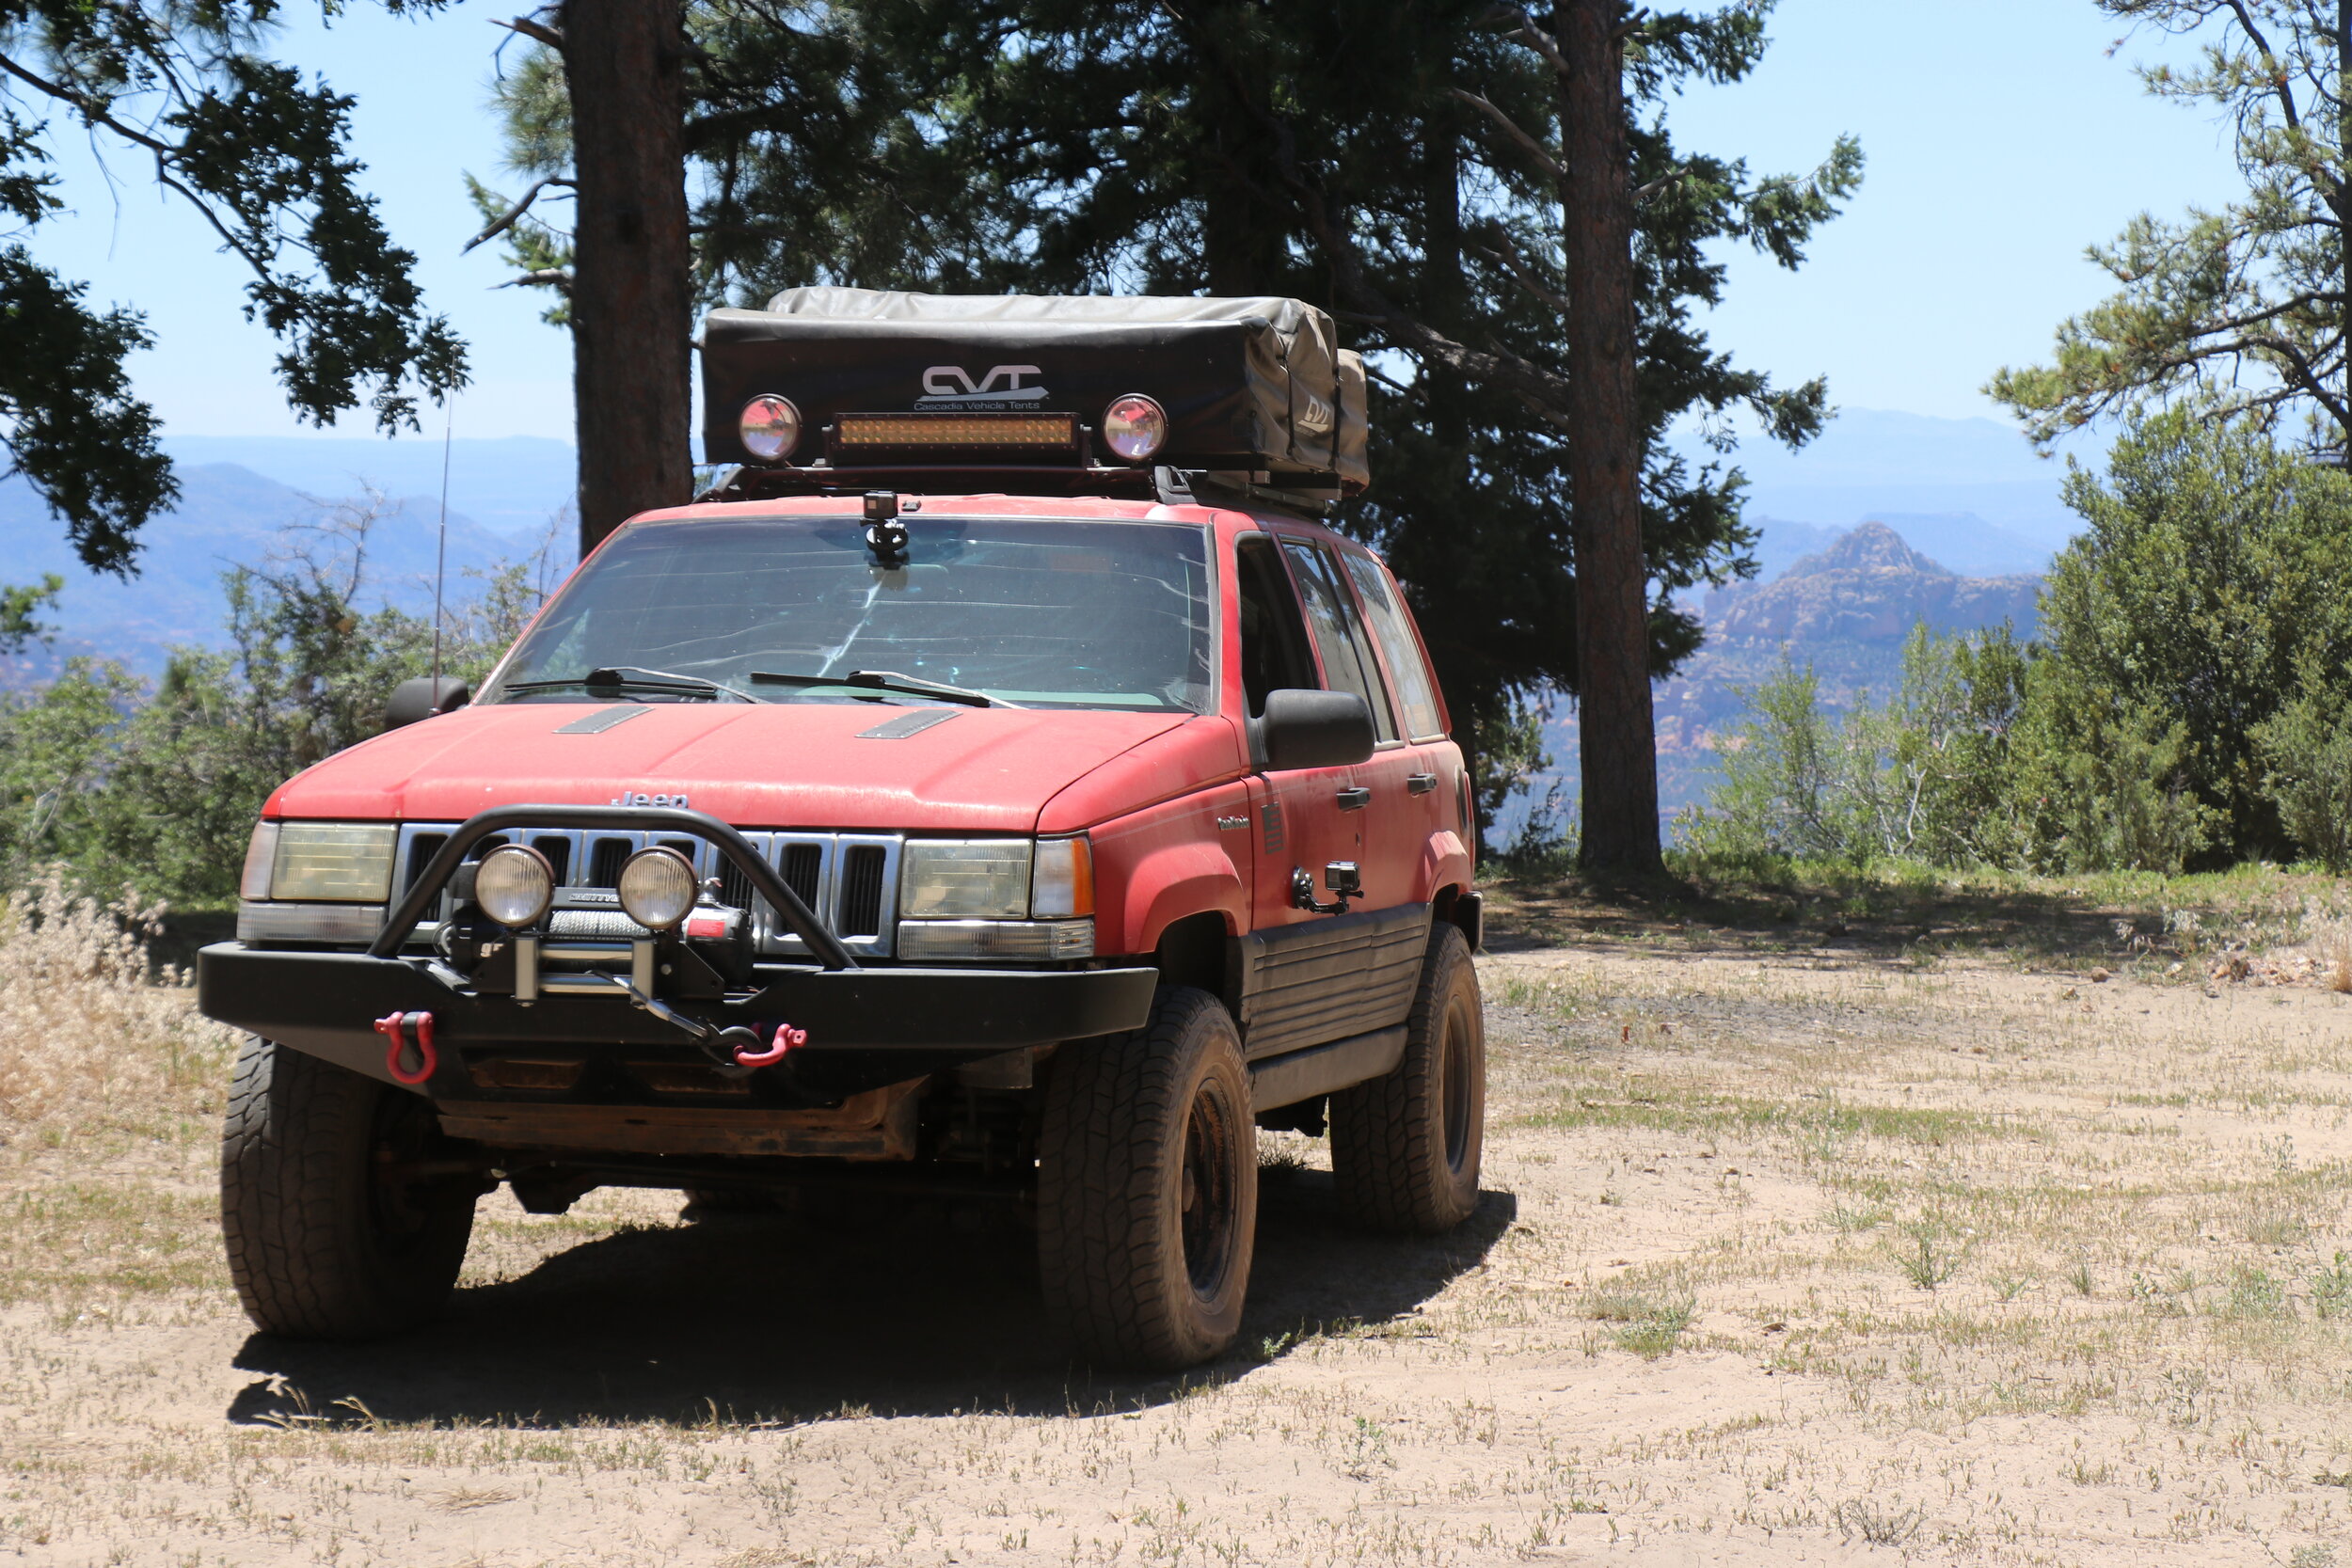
[
  {"x": 1617, "y": 734},
  {"x": 1241, "y": 235},
  {"x": 632, "y": 302},
  {"x": 2343, "y": 178}
]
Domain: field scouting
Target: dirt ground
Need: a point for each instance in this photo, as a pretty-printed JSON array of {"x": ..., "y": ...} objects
[{"x": 1931, "y": 1242}]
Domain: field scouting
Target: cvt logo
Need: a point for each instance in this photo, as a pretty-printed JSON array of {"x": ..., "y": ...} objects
[{"x": 945, "y": 384}]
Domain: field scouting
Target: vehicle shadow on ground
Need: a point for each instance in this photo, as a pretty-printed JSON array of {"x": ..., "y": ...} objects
[
  {"x": 1856, "y": 918},
  {"x": 751, "y": 1318}
]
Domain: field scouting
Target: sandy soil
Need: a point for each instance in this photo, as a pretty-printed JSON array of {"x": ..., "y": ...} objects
[{"x": 1788, "y": 1255}]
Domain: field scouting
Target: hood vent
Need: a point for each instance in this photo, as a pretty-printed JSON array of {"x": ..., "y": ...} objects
[{"x": 909, "y": 723}]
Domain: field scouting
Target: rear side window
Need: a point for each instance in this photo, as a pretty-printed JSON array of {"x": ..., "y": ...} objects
[
  {"x": 1414, "y": 693},
  {"x": 1347, "y": 661}
]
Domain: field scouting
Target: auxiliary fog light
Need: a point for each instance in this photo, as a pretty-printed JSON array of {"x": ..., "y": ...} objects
[
  {"x": 770, "y": 427},
  {"x": 514, "y": 884},
  {"x": 657, "y": 888},
  {"x": 1135, "y": 427}
]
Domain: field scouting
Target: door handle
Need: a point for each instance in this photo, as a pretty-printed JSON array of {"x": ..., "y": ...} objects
[
  {"x": 1419, "y": 784},
  {"x": 1354, "y": 797}
]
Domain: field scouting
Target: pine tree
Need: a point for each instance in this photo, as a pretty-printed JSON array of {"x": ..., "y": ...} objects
[{"x": 2244, "y": 309}]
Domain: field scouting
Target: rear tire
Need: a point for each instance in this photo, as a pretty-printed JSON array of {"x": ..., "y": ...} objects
[
  {"x": 1405, "y": 1147},
  {"x": 1147, "y": 1189},
  {"x": 324, "y": 1242}
]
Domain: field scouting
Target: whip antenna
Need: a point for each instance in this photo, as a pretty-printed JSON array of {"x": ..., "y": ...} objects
[{"x": 440, "y": 549}]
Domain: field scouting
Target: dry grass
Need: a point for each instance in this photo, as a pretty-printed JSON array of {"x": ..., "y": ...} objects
[
  {"x": 1791, "y": 1252},
  {"x": 2333, "y": 947},
  {"x": 86, "y": 1032}
]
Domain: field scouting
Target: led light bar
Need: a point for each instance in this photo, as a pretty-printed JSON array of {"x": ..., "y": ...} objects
[{"x": 859, "y": 432}]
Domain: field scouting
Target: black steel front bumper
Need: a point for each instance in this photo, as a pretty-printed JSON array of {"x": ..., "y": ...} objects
[{"x": 863, "y": 1025}]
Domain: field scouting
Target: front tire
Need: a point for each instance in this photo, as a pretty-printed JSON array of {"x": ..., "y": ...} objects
[
  {"x": 1405, "y": 1147},
  {"x": 1147, "y": 1189},
  {"x": 327, "y": 1238}
]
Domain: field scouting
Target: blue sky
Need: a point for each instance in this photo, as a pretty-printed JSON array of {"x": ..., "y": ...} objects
[{"x": 2000, "y": 135}]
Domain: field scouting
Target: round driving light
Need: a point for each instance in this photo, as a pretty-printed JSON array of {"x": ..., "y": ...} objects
[
  {"x": 1135, "y": 427},
  {"x": 770, "y": 427},
  {"x": 514, "y": 884},
  {"x": 657, "y": 888}
]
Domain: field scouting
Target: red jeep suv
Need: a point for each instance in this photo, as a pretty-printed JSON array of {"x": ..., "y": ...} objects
[{"x": 863, "y": 826}]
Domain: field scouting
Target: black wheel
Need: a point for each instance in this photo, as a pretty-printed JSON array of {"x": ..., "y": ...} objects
[
  {"x": 1405, "y": 1148},
  {"x": 333, "y": 1231},
  {"x": 1147, "y": 1188}
]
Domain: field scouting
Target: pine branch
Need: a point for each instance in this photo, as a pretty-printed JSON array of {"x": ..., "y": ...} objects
[
  {"x": 538, "y": 32},
  {"x": 502, "y": 223},
  {"x": 1509, "y": 257},
  {"x": 558, "y": 279},
  {"x": 1510, "y": 128}
]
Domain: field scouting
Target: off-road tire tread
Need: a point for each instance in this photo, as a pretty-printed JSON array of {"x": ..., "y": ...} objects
[
  {"x": 1387, "y": 1149},
  {"x": 1111, "y": 1110},
  {"x": 290, "y": 1122}
]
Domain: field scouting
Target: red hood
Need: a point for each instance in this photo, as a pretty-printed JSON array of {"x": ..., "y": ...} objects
[{"x": 796, "y": 765}]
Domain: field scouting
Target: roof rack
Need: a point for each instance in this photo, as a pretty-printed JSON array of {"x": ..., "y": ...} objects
[
  {"x": 1168, "y": 487},
  {"x": 840, "y": 390}
]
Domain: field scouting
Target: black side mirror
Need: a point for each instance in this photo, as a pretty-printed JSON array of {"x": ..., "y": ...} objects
[
  {"x": 1314, "y": 729},
  {"x": 423, "y": 697}
]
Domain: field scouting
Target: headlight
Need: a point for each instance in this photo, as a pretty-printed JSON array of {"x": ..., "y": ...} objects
[
  {"x": 657, "y": 888},
  {"x": 514, "y": 884},
  {"x": 341, "y": 863},
  {"x": 966, "y": 879},
  {"x": 1133, "y": 427},
  {"x": 771, "y": 428},
  {"x": 1064, "y": 882}
]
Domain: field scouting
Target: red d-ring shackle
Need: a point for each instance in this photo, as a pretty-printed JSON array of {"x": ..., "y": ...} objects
[
  {"x": 394, "y": 1027},
  {"x": 787, "y": 1039}
]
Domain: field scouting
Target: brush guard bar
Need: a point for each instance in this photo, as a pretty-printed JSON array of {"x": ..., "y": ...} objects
[{"x": 765, "y": 879}]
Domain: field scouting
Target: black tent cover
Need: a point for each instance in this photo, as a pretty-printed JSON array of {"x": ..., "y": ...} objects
[{"x": 1249, "y": 384}]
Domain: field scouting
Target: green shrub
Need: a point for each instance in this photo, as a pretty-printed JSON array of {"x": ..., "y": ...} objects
[
  {"x": 2306, "y": 754},
  {"x": 158, "y": 787}
]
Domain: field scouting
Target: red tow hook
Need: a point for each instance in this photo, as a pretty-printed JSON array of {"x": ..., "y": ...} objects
[
  {"x": 788, "y": 1039},
  {"x": 394, "y": 1027}
]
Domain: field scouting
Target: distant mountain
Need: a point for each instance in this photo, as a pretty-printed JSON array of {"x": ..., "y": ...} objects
[
  {"x": 1967, "y": 544},
  {"x": 228, "y": 515},
  {"x": 509, "y": 484},
  {"x": 1870, "y": 586},
  {"x": 1877, "y": 464},
  {"x": 1780, "y": 544},
  {"x": 1844, "y": 610}
]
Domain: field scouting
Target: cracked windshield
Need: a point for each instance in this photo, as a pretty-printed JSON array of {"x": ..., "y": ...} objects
[{"x": 1025, "y": 612}]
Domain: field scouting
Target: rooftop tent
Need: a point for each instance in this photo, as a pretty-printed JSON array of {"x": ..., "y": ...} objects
[{"x": 1253, "y": 385}]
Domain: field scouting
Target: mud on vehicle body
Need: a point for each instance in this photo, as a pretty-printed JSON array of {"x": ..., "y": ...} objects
[{"x": 864, "y": 826}]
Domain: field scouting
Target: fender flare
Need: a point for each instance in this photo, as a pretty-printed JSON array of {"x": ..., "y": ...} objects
[
  {"x": 1178, "y": 881},
  {"x": 1445, "y": 863}
]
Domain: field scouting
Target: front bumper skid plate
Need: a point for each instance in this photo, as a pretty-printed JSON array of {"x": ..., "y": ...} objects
[{"x": 324, "y": 1004}]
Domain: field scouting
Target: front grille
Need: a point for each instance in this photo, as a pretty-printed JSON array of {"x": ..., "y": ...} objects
[
  {"x": 848, "y": 880},
  {"x": 558, "y": 849},
  {"x": 862, "y": 891},
  {"x": 604, "y": 865},
  {"x": 803, "y": 863}
]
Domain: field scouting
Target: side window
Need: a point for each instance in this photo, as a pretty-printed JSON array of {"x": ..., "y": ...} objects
[
  {"x": 1273, "y": 640},
  {"x": 1414, "y": 693},
  {"x": 1347, "y": 661}
]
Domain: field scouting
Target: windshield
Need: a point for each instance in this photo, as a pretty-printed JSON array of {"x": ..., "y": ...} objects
[{"x": 1025, "y": 612}]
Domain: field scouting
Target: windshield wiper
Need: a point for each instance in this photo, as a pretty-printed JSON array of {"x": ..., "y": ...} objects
[
  {"x": 633, "y": 677},
  {"x": 888, "y": 680}
]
